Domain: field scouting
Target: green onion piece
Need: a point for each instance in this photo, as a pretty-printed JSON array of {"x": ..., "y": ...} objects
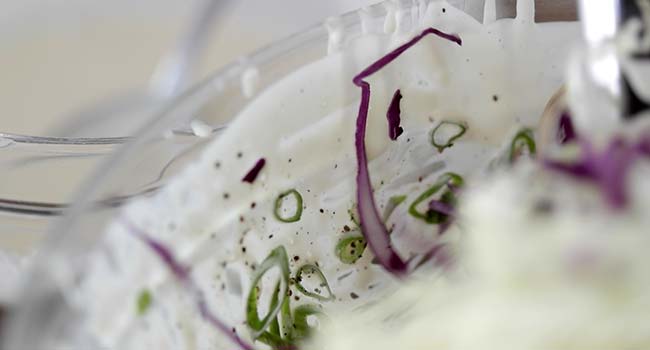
[
  {"x": 522, "y": 143},
  {"x": 300, "y": 314},
  {"x": 445, "y": 134},
  {"x": 277, "y": 257},
  {"x": 393, "y": 202},
  {"x": 274, "y": 327},
  {"x": 144, "y": 301},
  {"x": 282, "y": 336},
  {"x": 272, "y": 340},
  {"x": 350, "y": 249},
  {"x": 322, "y": 283},
  {"x": 278, "y": 206},
  {"x": 446, "y": 180},
  {"x": 287, "y": 320}
]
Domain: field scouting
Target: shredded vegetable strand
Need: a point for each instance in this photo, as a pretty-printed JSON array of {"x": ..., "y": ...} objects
[
  {"x": 277, "y": 258},
  {"x": 300, "y": 314},
  {"x": 441, "y": 207},
  {"x": 255, "y": 171},
  {"x": 372, "y": 225},
  {"x": 608, "y": 168},
  {"x": 311, "y": 268},
  {"x": 451, "y": 181},
  {"x": 523, "y": 141},
  {"x": 182, "y": 274},
  {"x": 565, "y": 133},
  {"x": 393, "y": 115}
]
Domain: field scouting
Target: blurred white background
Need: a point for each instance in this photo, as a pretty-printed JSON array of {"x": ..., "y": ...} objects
[{"x": 57, "y": 56}]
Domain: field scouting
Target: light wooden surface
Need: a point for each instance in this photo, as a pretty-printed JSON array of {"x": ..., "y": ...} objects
[{"x": 545, "y": 10}]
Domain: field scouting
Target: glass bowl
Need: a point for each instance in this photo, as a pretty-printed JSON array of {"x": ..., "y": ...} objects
[{"x": 159, "y": 151}]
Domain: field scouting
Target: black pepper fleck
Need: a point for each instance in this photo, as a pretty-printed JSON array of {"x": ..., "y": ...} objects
[
  {"x": 495, "y": 98},
  {"x": 296, "y": 258},
  {"x": 217, "y": 164},
  {"x": 253, "y": 205},
  {"x": 243, "y": 249},
  {"x": 321, "y": 210},
  {"x": 226, "y": 195},
  {"x": 346, "y": 228},
  {"x": 239, "y": 154},
  {"x": 444, "y": 10}
]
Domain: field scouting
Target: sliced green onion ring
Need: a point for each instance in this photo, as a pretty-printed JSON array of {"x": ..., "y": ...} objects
[
  {"x": 445, "y": 134},
  {"x": 448, "y": 196},
  {"x": 278, "y": 206},
  {"x": 277, "y": 257},
  {"x": 523, "y": 141},
  {"x": 350, "y": 249},
  {"x": 310, "y": 268},
  {"x": 300, "y": 314}
]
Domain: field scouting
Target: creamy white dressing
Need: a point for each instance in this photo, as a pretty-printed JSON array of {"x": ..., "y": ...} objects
[{"x": 496, "y": 82}]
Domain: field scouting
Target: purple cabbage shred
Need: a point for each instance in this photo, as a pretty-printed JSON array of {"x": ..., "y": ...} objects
[
  {"x": 446, "y": 209},
  {"x": 441, "y": 207},
  {"x": 393, "y": 116},
  {"x": 182, "y": 273},
  {"x": 608, "y": 169},
  {"x": 565, "y": 133},
  {"x": 372, "y": 225},
  {"x": 255, "y": 170}
]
